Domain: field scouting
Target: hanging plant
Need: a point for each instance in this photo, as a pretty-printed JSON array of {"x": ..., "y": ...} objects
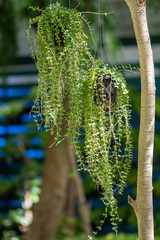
[
  {"x": 60, "y": 51},
  {"x": 107, "y": 144},
  {"x": 75, "y": 87}
]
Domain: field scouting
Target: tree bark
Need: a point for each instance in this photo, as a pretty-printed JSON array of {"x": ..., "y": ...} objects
[
  {"x": 143, "y": 205},
  {"x": 48, "y": 211},
  {"x": 83, "y": 207},
  {"x": 70, "y": 208}
]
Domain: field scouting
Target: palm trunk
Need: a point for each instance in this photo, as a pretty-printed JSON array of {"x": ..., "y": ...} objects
[{"x": 143, "y": 205}]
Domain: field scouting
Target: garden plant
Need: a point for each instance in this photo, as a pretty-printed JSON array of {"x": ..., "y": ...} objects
[{"x": 80, "y": 95}]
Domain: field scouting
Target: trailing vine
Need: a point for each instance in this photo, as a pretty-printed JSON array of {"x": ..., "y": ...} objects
[
  {"x": 108, "y": 146},
  {"x": 86, "y": 93}
]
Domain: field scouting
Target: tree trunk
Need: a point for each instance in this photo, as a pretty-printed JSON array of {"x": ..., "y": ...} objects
[
  {"x": 143, "y": 205},
  {"x": 48, "y": 211},
  {"x": 69, "y": 210},
  {"x": 83, "y": 207}
]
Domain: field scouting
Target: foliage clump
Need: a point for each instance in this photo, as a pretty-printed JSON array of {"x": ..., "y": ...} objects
[
  {"x": 108, "y": 147},
  {"x": 60, "y": 50},
  {"x": 72, "y": 95}
]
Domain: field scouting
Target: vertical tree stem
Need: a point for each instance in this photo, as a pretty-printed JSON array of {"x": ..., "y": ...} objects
[{"x": 143, "y": 205}]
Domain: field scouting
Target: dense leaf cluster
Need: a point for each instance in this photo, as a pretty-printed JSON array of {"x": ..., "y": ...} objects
[{"x": 67, "y": 89}]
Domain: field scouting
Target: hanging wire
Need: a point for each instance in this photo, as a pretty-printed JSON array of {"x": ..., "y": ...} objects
[
  {"x": 98, "y": 37},
  {"x": 100, "y": 30},
  {"x": 101, "y": 48},
  {"x": 69, "y": 3},
  {"x": 98, "y": 49},
  {"x": 50, "y": 2},
  {"x": 106, "y": 51}
]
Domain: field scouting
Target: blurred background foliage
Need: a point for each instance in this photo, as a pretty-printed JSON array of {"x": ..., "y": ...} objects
[{"x": 26, "y": 169}]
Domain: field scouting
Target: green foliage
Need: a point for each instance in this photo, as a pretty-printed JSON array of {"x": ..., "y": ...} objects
[
  {"x": 121, "y": 236},
  {"x": 68, "y": 76},
  {"x": 107, "y": 139},
  {"x": 60, "y": 54},
  {"x": 110, "y": 236}
]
